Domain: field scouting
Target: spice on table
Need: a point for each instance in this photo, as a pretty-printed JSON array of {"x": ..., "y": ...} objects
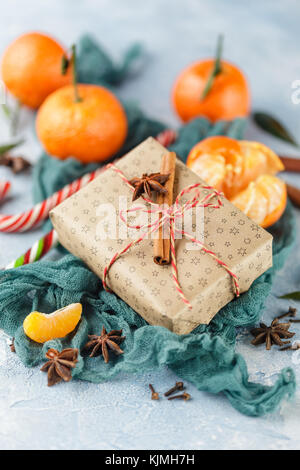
[
  {"x": 154, "y": 395},
  {"x": 271, "y": 334},
  {"x": 292, "y": 312},
  {"x": 292, "y": 347},
  {"x": 178, "y": 386},
  {"x": 12, "y": 345},
  {"x": 184, "y": 396},
  {"x": 17, "y": 164},
  {"x": 148, "y": 183},
  {"x": 105, "y": 341},
  {"x": 162, "y": 242},
  {"x": 59, "y": 365}
]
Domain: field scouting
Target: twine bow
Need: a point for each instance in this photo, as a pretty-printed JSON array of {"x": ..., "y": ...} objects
[{"x": 169, "y": 215}]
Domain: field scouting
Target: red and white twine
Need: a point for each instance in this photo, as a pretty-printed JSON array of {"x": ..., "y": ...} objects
[{"x": 169, "y": 216}]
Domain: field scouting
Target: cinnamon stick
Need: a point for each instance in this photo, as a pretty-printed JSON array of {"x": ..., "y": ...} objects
[
  {"x": 294, "y": 194},
  {"x": 290, "y": 164},
  {"x": 161, "y": 244}
]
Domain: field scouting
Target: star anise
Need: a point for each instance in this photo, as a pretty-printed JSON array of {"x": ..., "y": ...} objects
[
  {"x": 105, "y": 341},
  {"x": 148, "y": 183},
  {"x": 59, "y": 365},
  {"x": 271, "y": 334},
  {"x": 17, "y": 164}
]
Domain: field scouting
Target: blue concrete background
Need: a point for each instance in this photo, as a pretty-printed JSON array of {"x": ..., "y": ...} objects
[{"x": 263, "y": 39}]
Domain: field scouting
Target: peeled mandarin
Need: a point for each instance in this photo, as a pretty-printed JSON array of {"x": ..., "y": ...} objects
[
  {"x": 230, "y": 165},
  {"x": 41, "y": 327},
  {"x": 245, "y": 172}
]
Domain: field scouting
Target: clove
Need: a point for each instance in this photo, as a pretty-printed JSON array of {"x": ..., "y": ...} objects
[
  {"x": 293, "y": 347},
  {"x": 154, "y": 395},
  {"x": 292, "y": 312},
  {"x": 12, "y": 345},
  {"x": 178, "y": 386},
  {"x": 17, "y": 164},
  {"x": 184, "y": 396}
]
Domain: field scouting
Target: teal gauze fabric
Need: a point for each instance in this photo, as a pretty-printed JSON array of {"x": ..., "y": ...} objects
[{"x": 206, "y": 357}]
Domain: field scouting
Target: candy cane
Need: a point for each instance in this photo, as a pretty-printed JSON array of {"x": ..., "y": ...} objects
[
  {"x": 40, "y": 248},
  {"x": 36, "y": 215},
  {"x": 33, "y": 217},
  {"x": 4, "y": 188}
]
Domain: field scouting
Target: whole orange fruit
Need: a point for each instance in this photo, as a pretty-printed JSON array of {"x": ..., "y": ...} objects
[
  {"x": 228, "y": 98},
  {"x": 31, "y": 68},
  {"x": 245, "y": 171},
  {"x": 90, "y": 130}
]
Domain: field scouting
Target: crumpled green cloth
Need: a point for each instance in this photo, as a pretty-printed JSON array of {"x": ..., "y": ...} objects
[{"x": 206, "y": 357}]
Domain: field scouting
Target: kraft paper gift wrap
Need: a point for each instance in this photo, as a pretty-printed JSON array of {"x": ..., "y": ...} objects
[{"x": 148, "y": 288}]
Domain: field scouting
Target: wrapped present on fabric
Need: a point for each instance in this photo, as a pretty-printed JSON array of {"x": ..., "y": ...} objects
[{"x": 203, "y": 277}]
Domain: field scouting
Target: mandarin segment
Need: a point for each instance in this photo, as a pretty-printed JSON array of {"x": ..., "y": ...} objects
[
  {"x": 41, "y": 327},
  {"x": 264, "y": 200},
  {"x": 212, "y": 169},
  {"x": 217, "y": 160}
]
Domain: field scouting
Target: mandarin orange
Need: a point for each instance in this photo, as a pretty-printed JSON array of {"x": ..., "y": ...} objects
[
  {"x": 228, "y": 99},
  {"x": 90, "y": 129},
  {"x": 213, "y": 88},
  {"x": 31, "y": 68}
]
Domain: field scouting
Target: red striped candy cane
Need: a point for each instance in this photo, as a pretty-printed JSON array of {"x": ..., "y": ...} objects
[
  {"x": 40, "y": 212},
  {"x": 4, "y": 188}
]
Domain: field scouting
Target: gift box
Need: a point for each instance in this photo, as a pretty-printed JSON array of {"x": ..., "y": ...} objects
[{"x": 236, "y": 241}]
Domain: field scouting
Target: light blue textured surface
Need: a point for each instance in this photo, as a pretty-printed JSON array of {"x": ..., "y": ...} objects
[{"x": 262, "y": 38}]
